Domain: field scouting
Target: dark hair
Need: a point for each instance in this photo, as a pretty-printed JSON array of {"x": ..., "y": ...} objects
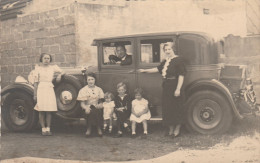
[
  {"x": 108, "y": 94},
  {"x": 139, "y": 91},
  {"x": 43, "y": 54},
  {"x": 123, "y": 46},
  {"x": 91, "y": 74},
  {"x": 172, "y": 45}
]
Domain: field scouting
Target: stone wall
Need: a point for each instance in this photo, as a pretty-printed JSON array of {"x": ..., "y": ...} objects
[
  {"x": 244, "y": 50},
  {"x": 23, "y": 40}
]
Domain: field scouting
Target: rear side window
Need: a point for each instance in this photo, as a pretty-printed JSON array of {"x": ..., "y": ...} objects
[
  {"x": 152, "y": 50},
  {"x": 195, "y": 50}
]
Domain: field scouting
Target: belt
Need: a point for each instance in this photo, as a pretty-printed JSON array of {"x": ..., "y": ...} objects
[{"x": 169, "y": 78}]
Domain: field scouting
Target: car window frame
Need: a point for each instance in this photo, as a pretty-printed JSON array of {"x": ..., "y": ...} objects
[
  {"x": 150, "y": 65},
  {"x": 114, "y": 66}
]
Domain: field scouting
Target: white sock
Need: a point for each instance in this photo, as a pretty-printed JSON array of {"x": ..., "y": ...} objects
[
  {"x": 133, "y": 133},
  {"x": 120, "y": 132},
  {"x": 105, "y": 126},
  {"x": 48, "y": 129},
  {"x": 44, "y": 129},
  {"x": 145, "y": 132},
  {"x": 125, "y": 125}
]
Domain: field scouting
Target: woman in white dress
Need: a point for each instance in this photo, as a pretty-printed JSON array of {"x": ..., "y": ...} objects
[{"x": 44, "y": 92}]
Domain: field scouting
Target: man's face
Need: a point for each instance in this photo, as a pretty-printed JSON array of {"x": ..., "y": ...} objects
[{"x": 121, "y": 53}]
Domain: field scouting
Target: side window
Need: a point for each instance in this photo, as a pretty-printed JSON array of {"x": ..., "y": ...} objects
[
  {"x": 194, "y": 50},
  {"x": 117, "y": 53},
  {"x": 152, "y": 50}
]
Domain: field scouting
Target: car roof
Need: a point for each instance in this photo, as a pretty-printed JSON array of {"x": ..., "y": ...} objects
[{"x": 202, "y": 34}]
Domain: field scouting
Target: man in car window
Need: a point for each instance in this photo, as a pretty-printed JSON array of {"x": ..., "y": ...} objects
[{"x": 122, "y": 56}]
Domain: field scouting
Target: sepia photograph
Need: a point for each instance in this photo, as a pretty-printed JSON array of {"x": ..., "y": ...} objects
[{"x": 131, "y": 81}]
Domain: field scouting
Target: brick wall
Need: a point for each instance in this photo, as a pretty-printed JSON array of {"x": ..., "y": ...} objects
[{"x": 23, "y": 40}]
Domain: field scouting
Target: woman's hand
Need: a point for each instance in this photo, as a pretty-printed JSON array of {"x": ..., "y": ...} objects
[
  {"x": 58, "y": 78},
  {"x": 177, "y": 93},
  {"x": 141, "y": 70}
]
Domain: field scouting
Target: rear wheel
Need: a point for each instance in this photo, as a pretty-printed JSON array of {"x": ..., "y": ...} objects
[
  {"x": 18, "y": 112},
  {"x": 208, "y": 113}
]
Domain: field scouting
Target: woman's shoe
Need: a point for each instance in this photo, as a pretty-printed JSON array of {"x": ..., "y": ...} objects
[
  {"x": 49, "y": 133},
  {"x": 118, "y": 135},
  {"x": 44, "y": 133}
]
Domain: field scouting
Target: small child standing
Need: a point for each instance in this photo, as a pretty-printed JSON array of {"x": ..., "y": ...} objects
[
  {"x": 122, "y": 109},
  {"x": 109, "y": 106},
  {"x": 140, "y": 112}
]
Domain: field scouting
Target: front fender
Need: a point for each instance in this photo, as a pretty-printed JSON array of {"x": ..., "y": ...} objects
[
  {"x": 215, "y": 85},
  {"x": 17, "y": 87}
]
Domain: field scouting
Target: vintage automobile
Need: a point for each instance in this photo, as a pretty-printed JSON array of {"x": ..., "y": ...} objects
[{"x": 215, "y": 93}]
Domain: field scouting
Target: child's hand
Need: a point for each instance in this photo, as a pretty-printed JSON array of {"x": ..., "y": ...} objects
[
  {"x": 99, "y": 106},
  {"x": 87, "y": 110},
  {"x": 120, "y": 109}
]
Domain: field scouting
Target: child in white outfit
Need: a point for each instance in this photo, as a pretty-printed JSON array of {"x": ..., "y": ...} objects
[
  {"x": 140, "y": 112},
  {"x": 108, "y": 113}
]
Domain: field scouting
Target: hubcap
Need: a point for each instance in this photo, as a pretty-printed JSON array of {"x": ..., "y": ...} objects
[
  {"x": 66, "y": 97},
  {"x": 18, "y": 112},
  {"x": 207, "y": 114}
]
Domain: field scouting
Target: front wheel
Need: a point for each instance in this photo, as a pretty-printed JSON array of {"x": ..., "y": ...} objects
[
  {"x": 208, "y": 113},
  {"x": 18, "y": 112}
]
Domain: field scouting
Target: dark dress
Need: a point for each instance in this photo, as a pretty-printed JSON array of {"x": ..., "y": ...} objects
[
  {"x": 122, "y": 117},
  {"x": 172, "y": 109}
]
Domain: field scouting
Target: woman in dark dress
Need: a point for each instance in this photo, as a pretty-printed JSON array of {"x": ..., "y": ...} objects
[{"x": 173, "y": 71}]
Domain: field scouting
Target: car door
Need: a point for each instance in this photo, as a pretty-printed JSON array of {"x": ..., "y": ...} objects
[
  {"x": 150, "y": 54},
  {"x": 110, "y": 74}
]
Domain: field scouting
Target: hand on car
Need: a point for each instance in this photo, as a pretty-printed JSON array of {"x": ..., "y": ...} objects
[{"x": 58, "y": 78}]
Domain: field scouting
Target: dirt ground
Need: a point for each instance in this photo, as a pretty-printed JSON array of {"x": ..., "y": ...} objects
[{"x": 69, "y": 143}]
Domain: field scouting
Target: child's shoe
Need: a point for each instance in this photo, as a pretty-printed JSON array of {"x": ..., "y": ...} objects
[
  {"x": 44, "y": 132},
  {"x": 48, "y": 131},
  {"x": 144, "y": 136},
  {"x": 118, "y": 135},
  {"x": 133, "y": 135}
]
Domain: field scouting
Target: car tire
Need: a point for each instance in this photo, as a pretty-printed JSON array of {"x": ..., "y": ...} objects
[
  {"x": 66, "y": 95},
  {"x": 208, "y": 112},
  {"x": 18, "y": 112}
]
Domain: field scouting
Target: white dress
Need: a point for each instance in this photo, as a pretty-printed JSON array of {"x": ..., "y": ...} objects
[
  {"x": 46, "y": 99},
  {"x": 108, "y": 109},
  {"x": 139, "y": 106}
]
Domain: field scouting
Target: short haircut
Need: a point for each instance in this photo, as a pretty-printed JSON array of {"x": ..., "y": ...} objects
[
  {"x": 108, "y": 95},
  {"x": 43, "y": 54},
  {"x": 123, "y": 46},
  {"x": 121, "y": 84},
  {"x": 170, "y": 44},
  {"x": 91, "y": 74},
  {"x": 139, "y": 91}
]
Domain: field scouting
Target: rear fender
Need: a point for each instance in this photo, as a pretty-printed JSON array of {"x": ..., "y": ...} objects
[{"x": 215, "y": 85}]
